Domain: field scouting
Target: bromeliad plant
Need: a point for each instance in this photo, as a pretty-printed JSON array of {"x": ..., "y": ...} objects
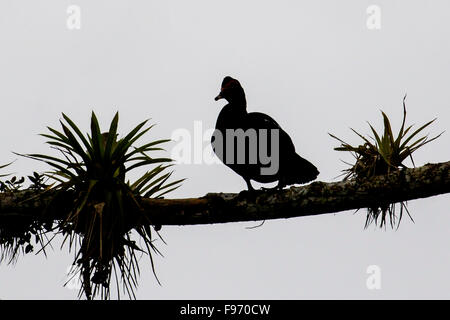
[
  {"x": 4, "y": 166},
  {"x": 105, "y": 210},
  {"x": 17, "y": 235},
  {"x": 382, "y": 154}
]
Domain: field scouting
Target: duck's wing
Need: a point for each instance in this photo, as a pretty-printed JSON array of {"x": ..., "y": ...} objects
[{"x": 262, "y": 120}]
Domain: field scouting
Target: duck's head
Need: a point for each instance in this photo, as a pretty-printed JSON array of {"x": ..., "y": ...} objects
[{"x": 231, "y": 91}]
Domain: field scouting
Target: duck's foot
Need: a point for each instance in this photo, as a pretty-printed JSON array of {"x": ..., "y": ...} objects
[{"x": 250, "y": 194}]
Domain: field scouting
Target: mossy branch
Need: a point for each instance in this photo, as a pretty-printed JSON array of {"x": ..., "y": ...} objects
[{"x": 313, "y": 199}]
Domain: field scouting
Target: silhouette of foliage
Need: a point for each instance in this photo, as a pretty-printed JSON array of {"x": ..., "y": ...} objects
[
  {"x": 16, "y": 235},
  {"x": 380, "y": 155},
  {"x": 106, "y": 210}
]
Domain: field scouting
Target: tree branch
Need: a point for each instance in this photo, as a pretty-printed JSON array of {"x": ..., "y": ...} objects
[{"x": 315, "y": 198}]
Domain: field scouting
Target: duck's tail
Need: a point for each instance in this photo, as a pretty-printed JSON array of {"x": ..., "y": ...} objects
[{"x": 300, "y": 171}]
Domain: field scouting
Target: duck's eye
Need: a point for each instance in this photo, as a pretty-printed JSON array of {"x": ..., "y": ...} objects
[{"x": 229, "y": 85}]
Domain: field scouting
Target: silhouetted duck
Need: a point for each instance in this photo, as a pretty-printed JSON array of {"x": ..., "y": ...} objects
[{"x": 255, "y": 156}]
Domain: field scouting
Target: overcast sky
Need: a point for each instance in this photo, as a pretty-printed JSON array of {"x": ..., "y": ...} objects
[{"x": 314, "y": 66}]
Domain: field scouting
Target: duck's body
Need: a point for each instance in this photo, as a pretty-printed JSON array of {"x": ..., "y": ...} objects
[{"x": 272, "y": 163}]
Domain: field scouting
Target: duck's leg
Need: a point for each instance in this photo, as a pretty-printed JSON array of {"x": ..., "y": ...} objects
[
  {"x": 249, "y": 184},
  {"x": 281, "y": 184},
  {"x": 250, "y": 193}
]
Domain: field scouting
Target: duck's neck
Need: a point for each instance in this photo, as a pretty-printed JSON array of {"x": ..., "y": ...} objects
[
  {"x": 238, "y": 110},
  {"x": 239, "y": 102}
]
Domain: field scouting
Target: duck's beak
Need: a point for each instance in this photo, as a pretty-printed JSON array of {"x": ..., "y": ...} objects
[{"x": 218, "y": 97}]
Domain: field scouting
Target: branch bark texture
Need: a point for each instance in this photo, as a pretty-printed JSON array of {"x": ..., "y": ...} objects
[{"x": 315, "y": 198}]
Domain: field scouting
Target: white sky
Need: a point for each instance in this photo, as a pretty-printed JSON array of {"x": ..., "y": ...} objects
[{"x": 313, "y": 66}]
